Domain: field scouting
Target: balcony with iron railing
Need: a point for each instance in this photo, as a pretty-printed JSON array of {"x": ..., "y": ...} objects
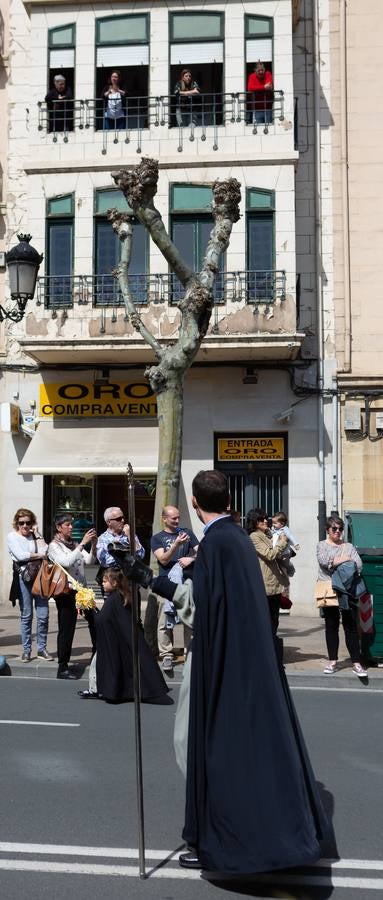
[
  {"x": 62, "y": 292},
  {"x": 207, "y": 117},
  {"x": 254, "y": 316}
]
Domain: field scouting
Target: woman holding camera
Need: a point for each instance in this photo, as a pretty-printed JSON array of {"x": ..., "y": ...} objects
[
  {"x": 274, "y": 577},
  {"x": 27, "y": 549}
]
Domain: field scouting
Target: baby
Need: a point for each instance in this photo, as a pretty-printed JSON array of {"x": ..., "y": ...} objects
[{"x": 280, "y": 526}]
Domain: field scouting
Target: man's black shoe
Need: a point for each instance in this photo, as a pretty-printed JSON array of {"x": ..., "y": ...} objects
[
  {"x": 66, "y": 674},
  {"x": 189, "y": 860}
]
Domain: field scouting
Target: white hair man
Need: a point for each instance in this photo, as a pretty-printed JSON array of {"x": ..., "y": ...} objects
[{"x": 116, "y": 531}]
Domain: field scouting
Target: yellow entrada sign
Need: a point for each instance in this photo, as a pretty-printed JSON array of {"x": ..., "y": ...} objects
[
  {"x": 121, "y": 399},
  {"x": 243, "y": 449}
]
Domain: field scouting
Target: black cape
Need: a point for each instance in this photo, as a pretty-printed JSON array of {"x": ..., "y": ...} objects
[
  {"x": 251, "y": 799},
  {"x": 114, "y": 665}
]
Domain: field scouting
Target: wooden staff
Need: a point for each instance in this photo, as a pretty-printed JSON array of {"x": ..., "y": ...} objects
[{"x": 136, "y": 677}]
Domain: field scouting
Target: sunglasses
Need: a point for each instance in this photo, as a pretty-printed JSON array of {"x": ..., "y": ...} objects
[
  {"x": 117, "y": 519},
  {"x": 25, "y": 522},
  {"x": 333, "y": 528}
]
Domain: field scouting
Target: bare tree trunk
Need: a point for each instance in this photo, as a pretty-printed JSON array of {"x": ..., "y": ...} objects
[
  {"x": 170, "y": 422},
  {"x": 139, "y": 186}
]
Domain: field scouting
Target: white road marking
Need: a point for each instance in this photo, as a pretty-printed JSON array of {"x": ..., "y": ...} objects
[
  {"x": 337, "y": 690},
  {"x": 193, "y": 874},
  {"x": 49, "y": 724}
]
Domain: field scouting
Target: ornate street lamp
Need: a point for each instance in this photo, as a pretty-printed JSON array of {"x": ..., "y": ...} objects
[{"x": 23, "y": 263}]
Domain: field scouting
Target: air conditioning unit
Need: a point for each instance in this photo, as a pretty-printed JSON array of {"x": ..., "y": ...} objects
[{"x": 352, "y": 418}]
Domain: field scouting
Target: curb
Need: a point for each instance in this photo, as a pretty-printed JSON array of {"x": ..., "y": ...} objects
[
  {"x": 40, "y": 670},
  {"x": 373, "y": 681}
]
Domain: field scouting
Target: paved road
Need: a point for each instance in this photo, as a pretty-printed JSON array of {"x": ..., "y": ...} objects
[{"x": 68, "y": 801}]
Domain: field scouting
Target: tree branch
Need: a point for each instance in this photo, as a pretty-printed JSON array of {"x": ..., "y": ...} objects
[
  {"x": 123, "y": 226},
  {"x": 139, "y": 186}
]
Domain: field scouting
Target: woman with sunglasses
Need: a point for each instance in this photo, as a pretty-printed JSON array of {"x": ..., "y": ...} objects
[
  {"x": 274, "y": 576},
  {"x": 27, "y": 549},
  {"x": 330, "y": 554}
]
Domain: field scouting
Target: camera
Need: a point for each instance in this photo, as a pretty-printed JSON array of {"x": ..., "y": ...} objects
[{"x": 133, "y": 568}]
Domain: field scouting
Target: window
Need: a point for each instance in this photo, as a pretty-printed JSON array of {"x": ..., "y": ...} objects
[
  {"x": 196, "y": 42},
  {"x": 259, "y": 48},
  {"x": 59, "y": 252},
  {"x": 260, "y": 245},
  {"x": 61, "y": 61},
  {"x": 191, "y": 224},
  {"x": 107, "y": 253},
  {"x": 122, "y": 46}
]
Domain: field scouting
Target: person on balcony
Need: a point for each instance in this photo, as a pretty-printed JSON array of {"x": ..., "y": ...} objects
[
  {"x": 260, "y": 88},
  {"x": 186, "y": 90},
  {"x": 59, "y": 102},
  {"x": 115, "y": 101}
]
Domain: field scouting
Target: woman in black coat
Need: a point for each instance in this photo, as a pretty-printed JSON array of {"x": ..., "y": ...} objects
[{"x": 114, "y": 664}]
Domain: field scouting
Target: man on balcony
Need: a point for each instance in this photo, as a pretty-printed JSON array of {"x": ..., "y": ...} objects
[
  {"x": 60, "y": 106},
  {"x": 260, "y": 88}
]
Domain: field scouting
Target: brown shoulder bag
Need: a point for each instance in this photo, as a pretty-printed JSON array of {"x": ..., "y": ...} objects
[{"x": 50, "y": 581}]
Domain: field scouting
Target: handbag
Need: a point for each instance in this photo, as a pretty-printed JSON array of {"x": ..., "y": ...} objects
[
  {"x": 29, "y": 570},
  {"x": 325, "y": 594},
  {"x": 51, "y": 580}
]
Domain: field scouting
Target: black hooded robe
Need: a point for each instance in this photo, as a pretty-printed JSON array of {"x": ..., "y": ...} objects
[
  {"x": 251, "y": 798},
  {"x": 114, "y": 664}
]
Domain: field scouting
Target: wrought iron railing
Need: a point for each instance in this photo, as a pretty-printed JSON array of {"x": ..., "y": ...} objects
[
  {"x": 191, "y": 116},
  {"x": 64, "y": 291},
  {"x": 60, "y": 117}
]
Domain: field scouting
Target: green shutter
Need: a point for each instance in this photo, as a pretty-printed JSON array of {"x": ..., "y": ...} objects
[
  {"x": 110, "y": 200},
  {"x": 122, "y": 30},
  {"x": 191, "y": 197},
  {"x": 61, "y": 206},
  {"x": 258, "y": 26},
  {"x": 61, "y": 37},
  {"x": 258, "y": 199},
  {"x": 196, "y": 26}
]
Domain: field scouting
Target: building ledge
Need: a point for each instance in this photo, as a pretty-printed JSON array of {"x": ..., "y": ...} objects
[{"x": 119, "y": 350}]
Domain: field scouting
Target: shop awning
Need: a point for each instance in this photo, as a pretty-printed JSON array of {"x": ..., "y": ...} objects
[{"x": 86, "y": 449}]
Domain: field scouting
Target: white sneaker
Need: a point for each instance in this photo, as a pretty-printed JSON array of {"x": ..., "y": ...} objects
[
  {"x": 359, "y": 670},
  {"x": 331, "y": 668}
]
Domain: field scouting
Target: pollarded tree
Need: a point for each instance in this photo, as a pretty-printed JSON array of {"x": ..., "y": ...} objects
[{"x": 166, "y": 377}]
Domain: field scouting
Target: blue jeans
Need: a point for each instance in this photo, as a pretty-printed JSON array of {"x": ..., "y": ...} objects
[
  {"x": 42, "y": 614},
  {"x": 114, "y": 124}
]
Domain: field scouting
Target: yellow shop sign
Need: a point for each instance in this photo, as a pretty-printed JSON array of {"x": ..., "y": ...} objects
[
  {"x": 245, "y": 449},
  {"x": 120, "y": 399}
]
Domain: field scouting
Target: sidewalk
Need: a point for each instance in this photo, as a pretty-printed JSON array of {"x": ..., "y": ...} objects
[{"x": 303, "y": 639}]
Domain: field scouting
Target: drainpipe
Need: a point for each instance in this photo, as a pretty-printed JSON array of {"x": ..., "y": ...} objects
[
  {"x": 335, "y": 439},
  {"x": 345, "y": 184},
  {"x": 318, "y": 274}
]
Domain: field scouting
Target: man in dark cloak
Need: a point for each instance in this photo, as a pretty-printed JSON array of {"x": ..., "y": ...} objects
[{"x": 251, "y": 799}]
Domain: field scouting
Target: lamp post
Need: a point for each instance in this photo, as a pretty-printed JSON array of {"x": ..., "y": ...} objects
[{"x": 23, "y": 263}]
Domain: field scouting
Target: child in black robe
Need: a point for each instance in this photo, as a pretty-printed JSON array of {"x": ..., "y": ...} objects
[{"x": 114, "y": 661}]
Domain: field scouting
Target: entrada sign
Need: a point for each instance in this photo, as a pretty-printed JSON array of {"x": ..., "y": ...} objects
[
  {"x": 245, "y": 449},
  {"x": 117, "y": 399}
]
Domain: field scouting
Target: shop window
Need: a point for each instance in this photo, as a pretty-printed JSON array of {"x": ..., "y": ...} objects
[
  {"x": 196, "y": 44},
  {"x": 61, "y": 61},
  {"x": 191, "y": 224},
  {"x": 107, "y": 253},
  {"x": 74, "y": 494},
  {"x": 260, "y": 245},
  {"x": 59, "y": 252},
  {"x": 122, "y": 46}
]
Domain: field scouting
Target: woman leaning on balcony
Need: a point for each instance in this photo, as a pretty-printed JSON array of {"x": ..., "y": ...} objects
[{"x": 185, "y": 91}]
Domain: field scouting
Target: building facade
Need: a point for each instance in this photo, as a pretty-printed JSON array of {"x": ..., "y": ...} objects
[
  {"x": 4, "y": 70},
  {"x": 357, "y": 191},
  {"x": 258, "y": 400}
]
